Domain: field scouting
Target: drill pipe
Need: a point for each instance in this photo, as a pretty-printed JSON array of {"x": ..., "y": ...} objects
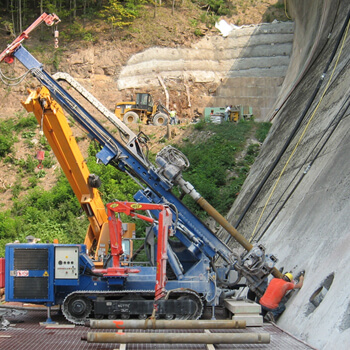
[
  {"x": 231, "y": 230},
  {"x": 178, "y": 338},
  {"x": 165, "y": 324}
]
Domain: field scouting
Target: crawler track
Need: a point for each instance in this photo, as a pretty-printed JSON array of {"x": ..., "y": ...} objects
[{"x": 183, "y": 304}]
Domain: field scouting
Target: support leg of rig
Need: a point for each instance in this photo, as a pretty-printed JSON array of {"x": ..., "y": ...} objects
[
  {"x": 49, "y": 320},
  {"x": 213, "y": 313}
]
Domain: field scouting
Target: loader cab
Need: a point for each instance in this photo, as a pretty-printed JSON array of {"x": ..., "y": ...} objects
[{"x": 144, "y": 102}]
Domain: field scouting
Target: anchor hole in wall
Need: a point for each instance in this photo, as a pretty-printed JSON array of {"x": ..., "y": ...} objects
[{"x": 319, "y": 294}]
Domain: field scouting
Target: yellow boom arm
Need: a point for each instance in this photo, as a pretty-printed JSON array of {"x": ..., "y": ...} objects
[{"x": 50, "y": 116}]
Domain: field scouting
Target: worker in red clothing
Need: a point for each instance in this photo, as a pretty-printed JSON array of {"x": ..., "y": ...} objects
[{"x": 271, "y": 301}]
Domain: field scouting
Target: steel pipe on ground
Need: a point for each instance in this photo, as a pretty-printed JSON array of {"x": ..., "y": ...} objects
[
  {"x": 178, "y": 338},
  {"x": 165, "y": 324}
]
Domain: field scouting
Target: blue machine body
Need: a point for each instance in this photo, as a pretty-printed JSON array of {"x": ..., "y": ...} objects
[
  {"x": 47, "y": 273},
  {"x": 30, "y": 272}
]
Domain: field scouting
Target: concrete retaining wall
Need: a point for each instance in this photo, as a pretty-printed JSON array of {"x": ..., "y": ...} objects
[
  {"x": 306, "y": 221},
  {"x": 248, "y": 66}
]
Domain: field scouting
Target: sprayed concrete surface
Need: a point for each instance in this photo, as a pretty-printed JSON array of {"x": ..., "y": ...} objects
[{"x": 301, "y": 213}]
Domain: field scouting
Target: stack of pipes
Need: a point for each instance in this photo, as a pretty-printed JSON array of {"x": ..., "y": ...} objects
[{"x": 172, "y": 338}]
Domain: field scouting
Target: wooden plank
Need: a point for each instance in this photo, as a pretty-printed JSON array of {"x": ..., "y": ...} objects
[
  {"x": 53, "y": 326},
  {"x": 209, "y": 346}
]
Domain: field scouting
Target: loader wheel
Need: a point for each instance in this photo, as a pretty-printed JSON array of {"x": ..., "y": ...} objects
[
  {"x": 160, "y": 119},
  {"x": 130, "y": 117}
]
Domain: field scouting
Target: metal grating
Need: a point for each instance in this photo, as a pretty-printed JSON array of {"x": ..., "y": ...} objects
[
  {"x": 31, "y": 288},
  {"x": 31, "y": 259},
  {"x": 29, "y": 335}
]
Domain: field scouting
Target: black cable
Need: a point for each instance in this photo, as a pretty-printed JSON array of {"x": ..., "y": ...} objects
[
  {"x": 307, "y": 169},
  {"x": 296, "y": 127}
]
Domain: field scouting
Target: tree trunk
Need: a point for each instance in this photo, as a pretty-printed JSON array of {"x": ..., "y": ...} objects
[
  {"x": 41, "y": 12},
  {"x": 13, "y": 18},
  {"x": 20, "y": 15}
]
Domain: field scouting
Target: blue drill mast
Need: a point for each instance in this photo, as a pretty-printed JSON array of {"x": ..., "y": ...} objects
[{"x": 66, "y": 275}]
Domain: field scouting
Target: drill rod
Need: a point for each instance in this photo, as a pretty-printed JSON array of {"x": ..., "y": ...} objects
[
  {"x": 178, "y": 338},
  {"x": 231, "y": 230},
  {"x": 165, "y": 324}
]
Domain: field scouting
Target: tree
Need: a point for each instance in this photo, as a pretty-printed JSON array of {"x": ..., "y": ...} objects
[{"x": 119, "y": 15}]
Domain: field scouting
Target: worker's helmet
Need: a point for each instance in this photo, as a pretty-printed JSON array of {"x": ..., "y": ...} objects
[{"x": 289, "y": 276}]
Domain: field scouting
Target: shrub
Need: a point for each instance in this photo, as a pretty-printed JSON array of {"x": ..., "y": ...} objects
[
  {"x": 28, "y": 122},
  {"x": 262, "y": 131},
  {"x": 6, "y": 138},
  {"x": 6, "y": 143}
]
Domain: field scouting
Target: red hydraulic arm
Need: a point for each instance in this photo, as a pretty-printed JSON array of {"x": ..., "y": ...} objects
[
  {"x": 50, "y": 20},
  {"x": 115, "y": 231}
]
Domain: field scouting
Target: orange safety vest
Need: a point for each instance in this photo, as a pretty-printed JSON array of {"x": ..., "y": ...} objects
[{"x": 275, "y": 291}]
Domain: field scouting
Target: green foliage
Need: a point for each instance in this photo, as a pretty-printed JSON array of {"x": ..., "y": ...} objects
[
  {"x": 28, "y": 134},
  {"x": 56, "y": 58},
  {"x": 262, "y": 131},
  {"x": 17, "y": 188},
  {"x": 33, "y": 181},
  {"x": 217, "y": 7},
  {"x": 30, "y": 164},
  {"x": 44, "y": 143},
  {"x": 200, "y": 125},
  {"x": 6, "y": 137},
  {"x": 120, "y": 14},
  {"x": 6, "y": 143},
  {"x": 75, "y": 31},
  {"x": 8, "y": 27},
  {"x": 198, "y": 32},
  {"x": 29, "y": 122},
  {"x": 209, "y": 19},
  {"x": 214, "y": 171},
  {"x": 193, "y": 22},
  {"x": 115, "y": 184},
  {"x": 8, "y": 127},
  {"x": 252, "y": 153},
  {"x": 45, "y": 215}
]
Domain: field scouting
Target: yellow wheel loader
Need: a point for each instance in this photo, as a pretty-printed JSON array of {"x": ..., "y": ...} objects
[{"x": 142, "y": 110}]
